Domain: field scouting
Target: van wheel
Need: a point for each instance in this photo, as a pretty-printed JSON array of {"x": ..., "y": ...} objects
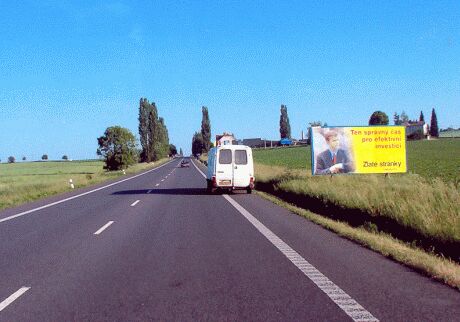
[
  {"x": 209, "y": 187},
  {"x": 249, "y": 190}
]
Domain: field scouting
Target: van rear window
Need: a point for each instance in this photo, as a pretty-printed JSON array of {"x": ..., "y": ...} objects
[
  {"x": 241, "y": 157},
  {"x": 225, "y": 156}
]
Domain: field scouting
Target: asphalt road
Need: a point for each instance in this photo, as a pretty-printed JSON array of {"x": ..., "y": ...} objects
[{"x": 157, "y": 247}]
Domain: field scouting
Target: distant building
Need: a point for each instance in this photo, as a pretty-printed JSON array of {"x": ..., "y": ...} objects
[
  {"x": 412, "y": 127},
  {"x": 225, "y": 139},
  {"x": 254, "y": 143},
  {"x": 259, "y": 143}
]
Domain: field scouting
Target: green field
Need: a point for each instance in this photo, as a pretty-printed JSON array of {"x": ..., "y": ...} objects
[
  {"x": 28, "y": 181},
  {"x": 450, "y": 134},
  {"x": 425, "y": 201},
  {"x": 429, "y": 159}
]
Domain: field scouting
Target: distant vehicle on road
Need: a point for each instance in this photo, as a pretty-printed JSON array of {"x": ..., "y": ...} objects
[
  {"x": 184, "y": 164},
  {"x": 285, "y": 141},
  {"x": 230, "y": 167}
]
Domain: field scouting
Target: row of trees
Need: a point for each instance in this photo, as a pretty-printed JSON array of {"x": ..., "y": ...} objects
[
  {"x": 153, "y": 133},
  {"x": 380, "y": 118},
  {"x": 119, "y": 147},
  {"x": 12, "y": 159},
  {"x": 201, "y": 141}
]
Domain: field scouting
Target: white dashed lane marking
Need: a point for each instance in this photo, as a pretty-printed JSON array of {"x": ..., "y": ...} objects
[
  {"x": 13, "y": 297},
  {"x": 135, "y": 203},
  {"x": 157, "y": 185},
  {"x": 79, "y": 195},
  {"x": 149, "y": 191},
  {"x": 103, "y": 228}
]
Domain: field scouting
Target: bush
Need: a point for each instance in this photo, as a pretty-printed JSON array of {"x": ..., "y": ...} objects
[{"x": 417, "y": 135}]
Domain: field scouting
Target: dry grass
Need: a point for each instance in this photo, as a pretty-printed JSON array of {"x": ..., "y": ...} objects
[
  {"x": 434, "y": 266},
  {"x": 430, "y": 208}
]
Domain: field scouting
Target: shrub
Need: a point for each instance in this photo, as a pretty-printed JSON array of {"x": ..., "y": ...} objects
[{"x": 417, "y": 135}]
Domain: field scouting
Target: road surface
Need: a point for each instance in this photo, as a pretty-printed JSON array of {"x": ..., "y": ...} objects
[{"x": 158, "y": 247}]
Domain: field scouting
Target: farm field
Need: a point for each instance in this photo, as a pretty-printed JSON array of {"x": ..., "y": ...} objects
[
  {"x": 429, "y": 159},
  {"x": 413, "y": 218},
  {"x": 27, "y": 181},
  {"x": 450, "y": 134},
  {"x": 424, "y": 201}
]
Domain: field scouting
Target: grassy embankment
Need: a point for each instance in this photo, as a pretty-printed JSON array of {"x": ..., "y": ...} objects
[
  {"x": 420, "y": 208},
  {"x": 28, "y": 181}
]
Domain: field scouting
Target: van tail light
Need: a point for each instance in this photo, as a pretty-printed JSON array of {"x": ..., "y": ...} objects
[{"x": 214, "y": 182}]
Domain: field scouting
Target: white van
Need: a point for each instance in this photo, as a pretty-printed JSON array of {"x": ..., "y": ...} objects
[{"x": 230, "y": 167}]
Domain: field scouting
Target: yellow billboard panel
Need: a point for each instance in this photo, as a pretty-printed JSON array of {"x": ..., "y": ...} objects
[{"x": 365, "y": 149}]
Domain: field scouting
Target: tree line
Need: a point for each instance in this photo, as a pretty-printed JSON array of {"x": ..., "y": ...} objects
[
  {"x": 201, "y": 141},
  {"x": 380, "y": 118},
  {"x": 12, "y": 159},
  {"x": 153, "y": 133},
  {"x": 119, "y": 148}
]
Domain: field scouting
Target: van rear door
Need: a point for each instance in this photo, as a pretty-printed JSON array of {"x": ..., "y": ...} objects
[
  {"x": 224, "y": 168},
  {"x": 241, "y": 169}
]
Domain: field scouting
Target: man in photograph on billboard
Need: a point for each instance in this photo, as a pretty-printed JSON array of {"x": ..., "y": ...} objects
[{"x": 334, "y": 159}]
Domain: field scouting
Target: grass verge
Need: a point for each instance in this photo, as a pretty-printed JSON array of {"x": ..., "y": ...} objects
[
  {"x": 408, "y": 207},
  {"x": 29, "y": 181},
  {"x": 432, "y": 265}
]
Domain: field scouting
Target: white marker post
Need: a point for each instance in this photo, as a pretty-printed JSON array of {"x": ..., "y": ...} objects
[{"x": 71, "y": 184}]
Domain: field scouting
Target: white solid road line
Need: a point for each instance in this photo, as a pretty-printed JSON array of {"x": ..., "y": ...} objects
[
  {"x": 201, "y": 172},
  {"x": 77, "y": 196},
  {"x": 13, "y": 297},
  {"x": 103, "y": 228},
  {"x": 135, "y": 203},
  {"x": 352, "y": 308}
]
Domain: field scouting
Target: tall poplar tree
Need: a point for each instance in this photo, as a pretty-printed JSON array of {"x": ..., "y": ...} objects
[
  {"x": 205, "y": 129},
  {"x": 153, "y": 132},
  {"x": 144, "y": 132},
  {"x": 285, "y": 127},
  {"x": 421, "y": 118},
  {"x": 434, "y": 131},
  {"x": 161, "y": 144},
  {"x": 197, "y": 143}
]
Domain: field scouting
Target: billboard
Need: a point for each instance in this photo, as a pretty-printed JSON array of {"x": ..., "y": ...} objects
[{"x": 360, "y": 149}]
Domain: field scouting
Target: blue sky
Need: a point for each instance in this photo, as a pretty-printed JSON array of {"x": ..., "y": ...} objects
[{"x": 70, "y": 69}]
